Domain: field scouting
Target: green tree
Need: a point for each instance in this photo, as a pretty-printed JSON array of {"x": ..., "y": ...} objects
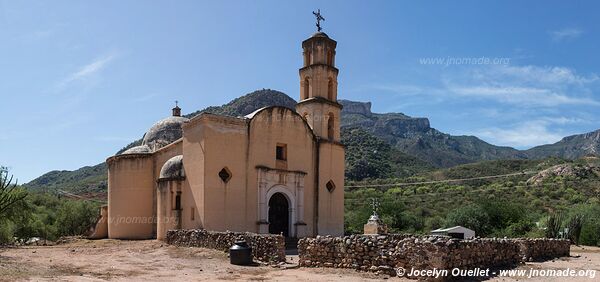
[
  {"x": 7, "y": 229},
  {"x": 590, "y": 228},
  {"x": 471, "y": 216},
  {"x": 76, "y": 217},
  {"x": 433, "y": 223},
  {"x": 508, "y": 218}
]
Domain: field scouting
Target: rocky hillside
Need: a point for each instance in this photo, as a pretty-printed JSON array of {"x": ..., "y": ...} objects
[
  {"x": 585, "y": 168},
  {"x": 414, "y": 145},
  {"x": 570, "y": 147},
  {"x": 84, "y": 180},
  {"x": 368, "y": 156},
  {"x": 249, "y": 103},
  {"x": 415, "y": 137}
]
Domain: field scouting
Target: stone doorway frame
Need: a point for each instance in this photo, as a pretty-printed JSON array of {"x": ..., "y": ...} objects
[{"x": 291, "y": 185}]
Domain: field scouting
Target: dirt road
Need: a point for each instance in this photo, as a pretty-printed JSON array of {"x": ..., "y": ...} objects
[{"x": 101, "y": 260}]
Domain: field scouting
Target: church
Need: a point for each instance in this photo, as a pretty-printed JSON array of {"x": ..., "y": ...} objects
[{"x": 277, "y": 170}]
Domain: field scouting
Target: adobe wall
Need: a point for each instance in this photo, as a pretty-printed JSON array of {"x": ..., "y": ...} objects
[
  {"x": 265, "y": 247},
  {"x": 130, "y": 180},
  {"x": 266, "y": 129},
  {"x": 331, "y": 203},
  {"x": 382, "y": 254},
  {"x": 224, "y": 143}
]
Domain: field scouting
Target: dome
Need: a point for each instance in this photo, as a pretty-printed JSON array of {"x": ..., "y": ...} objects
[
  {"x": 137, "y": 150},
  {"x": 164, "y": 132},
  {"x": 320, "y": 34},
  {"x": 173, "y": 168}
]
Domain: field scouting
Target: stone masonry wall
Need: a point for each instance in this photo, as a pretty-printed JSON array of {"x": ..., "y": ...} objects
[
  {"x": 384, "y": 253},
  {"x": 265, "y": 247},
  {"x": 541, "y": 249}
]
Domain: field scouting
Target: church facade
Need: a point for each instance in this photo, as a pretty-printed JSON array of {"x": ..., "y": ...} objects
[{"x": 276, "y": 170}]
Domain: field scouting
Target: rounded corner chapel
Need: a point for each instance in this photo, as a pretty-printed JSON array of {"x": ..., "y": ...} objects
[{"x": 276, "y": 170}]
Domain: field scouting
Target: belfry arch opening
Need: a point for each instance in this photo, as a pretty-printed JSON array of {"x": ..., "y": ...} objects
[
  {"x": 330, "y": 89},
  {"x": 306, "y": 89},
  {"x": 330, "y": 126}
]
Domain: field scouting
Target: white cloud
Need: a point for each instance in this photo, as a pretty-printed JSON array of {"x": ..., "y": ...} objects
[
  {"x": 522, "y": 135},
  {"x": 519, "y": 86},
  {"x": 529, "y": 133},
  {"x": 554, "y": 75},
  {"x": 398, "y": 89},
  {"x": 523, "y": 106},
  {"x": 524, "y": 96},
  {"x": 566, "y": 34},
  {"x": 565, "y": 120},
  {"x": 527, "y": 86},
  {"x": 87, "y": 70}
]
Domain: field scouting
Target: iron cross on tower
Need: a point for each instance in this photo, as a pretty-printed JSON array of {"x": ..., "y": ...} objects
[{"x": 319, "y": 19}]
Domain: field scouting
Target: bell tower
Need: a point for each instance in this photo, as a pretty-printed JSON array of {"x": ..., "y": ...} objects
[
  {"x": 318, "y": 87},
  {"x": 319, "y": 107}
]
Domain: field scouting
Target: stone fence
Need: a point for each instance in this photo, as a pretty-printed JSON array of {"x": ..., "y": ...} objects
[
  {"x": 542, "y": 249},
  {"x": 384, "y": 253},
  {"x": 265, "y": 247}
]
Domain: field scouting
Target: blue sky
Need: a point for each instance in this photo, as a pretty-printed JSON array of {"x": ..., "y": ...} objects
[{"x": 81, "y": 79}]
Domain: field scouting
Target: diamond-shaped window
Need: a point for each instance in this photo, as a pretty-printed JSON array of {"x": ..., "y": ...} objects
[
  {"x": 330, "y": 186},
  {"x": 225, "y": 174}
]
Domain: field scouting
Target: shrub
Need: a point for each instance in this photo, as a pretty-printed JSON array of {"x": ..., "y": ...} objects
[{"x": 473, "y": 217}]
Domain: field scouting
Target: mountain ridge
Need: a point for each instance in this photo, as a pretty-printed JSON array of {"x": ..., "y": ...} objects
[
  {"x": 416, "y": 137},
  {"x": 415, "y": 141},
  {"x": 571, "y": 147}
]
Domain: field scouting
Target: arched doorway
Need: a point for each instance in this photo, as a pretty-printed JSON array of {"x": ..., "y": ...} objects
[{"x": 279, "y": 218}]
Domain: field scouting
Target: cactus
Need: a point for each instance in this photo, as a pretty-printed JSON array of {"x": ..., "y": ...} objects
[
  {"x": 554, "y": 225},
  {"x": 575, "y": 225},
  {"x": 9, "y": 193}
]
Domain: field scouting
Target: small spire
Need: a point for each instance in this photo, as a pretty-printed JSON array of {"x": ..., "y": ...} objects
[{"x": 177, "y": 110}]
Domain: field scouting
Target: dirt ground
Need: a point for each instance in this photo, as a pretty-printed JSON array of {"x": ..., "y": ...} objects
[
  {"x": 581, "y": 259},
  {"x": 100, "y": 260}
]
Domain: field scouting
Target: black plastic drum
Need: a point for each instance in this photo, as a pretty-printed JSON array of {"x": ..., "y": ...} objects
[{"x": 240, "y": 253}]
